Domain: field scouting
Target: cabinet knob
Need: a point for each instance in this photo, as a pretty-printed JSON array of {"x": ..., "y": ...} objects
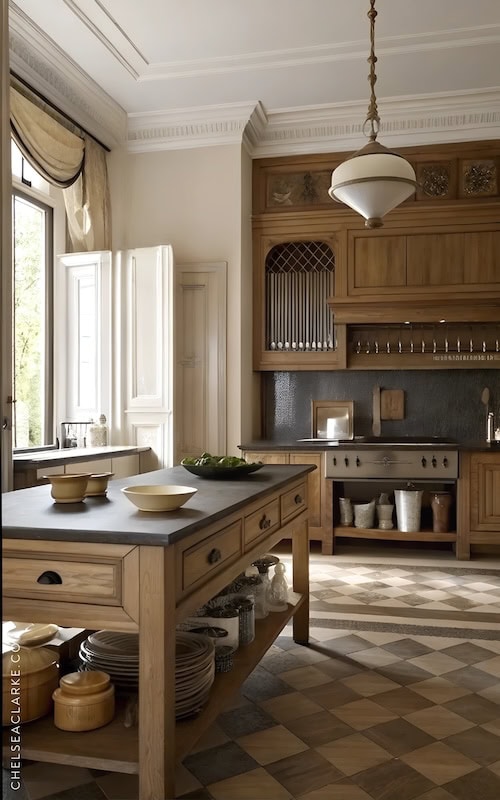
[
  {"x": 298, "y": 499},
  {"x": 265, "y": 523},
  {"x": 49, "y": 576},
  {"x": 214, "y": 556}
]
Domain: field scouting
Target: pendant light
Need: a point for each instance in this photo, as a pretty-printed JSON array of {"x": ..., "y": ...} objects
[{"x": 374, "y": 180}]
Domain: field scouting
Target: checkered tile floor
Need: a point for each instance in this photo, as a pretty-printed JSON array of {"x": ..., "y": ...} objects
[
  {"x": 358, "y": 715},
  {"x": 446, "y": 590}
]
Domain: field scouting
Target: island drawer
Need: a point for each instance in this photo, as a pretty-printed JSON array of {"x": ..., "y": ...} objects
[
  {"x": 293, "y": 502},
  {"x": 68, "y": 573},
  {"x": 262, "y": 522},
  {"x": 207, "y": 557}
]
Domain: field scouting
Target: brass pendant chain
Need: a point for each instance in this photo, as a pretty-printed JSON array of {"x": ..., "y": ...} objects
[{"x": 373, "y": 118}]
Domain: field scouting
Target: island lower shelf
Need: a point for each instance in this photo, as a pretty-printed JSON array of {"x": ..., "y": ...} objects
[
  {"x": 115, "y": 747},
  {"x": 393, "y": 534}
]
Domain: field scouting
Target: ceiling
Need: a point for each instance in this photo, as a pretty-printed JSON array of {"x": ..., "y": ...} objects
[{"x": 283, "y": 76}]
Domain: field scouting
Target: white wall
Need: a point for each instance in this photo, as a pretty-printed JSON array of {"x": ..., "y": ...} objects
[{"x": 199, "y": 201}]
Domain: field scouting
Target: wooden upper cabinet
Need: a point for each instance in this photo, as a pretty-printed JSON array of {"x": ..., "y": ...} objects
[
  {"x": 436, "y": 257},
  {"x": 437, "y": 260}
]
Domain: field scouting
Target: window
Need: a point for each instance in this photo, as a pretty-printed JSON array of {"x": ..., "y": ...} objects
[{"x": 32, "y": 250}]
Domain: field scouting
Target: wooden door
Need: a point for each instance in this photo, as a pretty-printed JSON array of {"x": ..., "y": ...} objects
[{"x": 200, "y": 359}]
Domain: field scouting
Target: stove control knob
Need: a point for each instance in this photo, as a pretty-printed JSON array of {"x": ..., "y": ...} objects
[
  {"x": 358, "y": 462},
  {"x": 346, "y": 461},
  {"x": 445, "y": 462},
  {"x": 424, "y": 461},
  {"x": 334, "y": 461},
  {"x": 434, "y": 462}
]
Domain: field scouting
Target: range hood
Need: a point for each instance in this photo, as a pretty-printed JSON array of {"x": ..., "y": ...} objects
[{"x": 385, "y": 309}]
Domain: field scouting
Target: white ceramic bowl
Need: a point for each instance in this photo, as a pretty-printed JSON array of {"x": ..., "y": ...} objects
[
  {"x": 68, "y": 488},
  {"x": 98, "y": 484},
  {"x": 158, "y": 498}
]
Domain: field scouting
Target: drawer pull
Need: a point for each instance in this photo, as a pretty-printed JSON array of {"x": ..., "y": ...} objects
[
  {"x": 298, "y": 499},
  {"x": 214, "y": 556},
  {"x": 49, "y": 577},
  {"x": 265, "y": 523}
]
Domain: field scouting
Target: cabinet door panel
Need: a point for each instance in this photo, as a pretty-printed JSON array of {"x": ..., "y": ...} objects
[
  {"x": 482, "y": 257},
  {"x": 314, "y": 480},
  {"x": 485, "y": 493},
  {"x": 435, "y": 259},
  {"x": 379, "y": 261}
]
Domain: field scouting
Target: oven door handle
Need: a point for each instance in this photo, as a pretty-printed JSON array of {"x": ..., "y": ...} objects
[{"x": 386, "y": 462}]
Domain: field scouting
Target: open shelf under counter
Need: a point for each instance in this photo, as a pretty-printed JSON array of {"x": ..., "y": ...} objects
[
  {"x": 394, "y": 535},
  {"x": 227, "y": 684},
  {"x": 114, "y": 747}
]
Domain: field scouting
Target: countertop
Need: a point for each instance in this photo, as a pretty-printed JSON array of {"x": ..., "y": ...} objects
[
  {"x": 56, "y": 457},
  {"x": 32, "y": 514},
  {"x": 314, "y": 446}
]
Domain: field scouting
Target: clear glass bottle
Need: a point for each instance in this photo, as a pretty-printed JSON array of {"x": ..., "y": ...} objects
[
  {"x": 98, "y": 433},
  {"x": 278, "y": 590}
]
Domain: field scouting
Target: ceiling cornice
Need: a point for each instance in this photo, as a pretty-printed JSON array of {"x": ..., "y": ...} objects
[{"x": 406, "y": 121}]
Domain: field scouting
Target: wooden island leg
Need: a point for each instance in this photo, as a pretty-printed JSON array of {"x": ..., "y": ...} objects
[
  {"x": 300, "y": 556},
  {"x": 156, "y": 673}
]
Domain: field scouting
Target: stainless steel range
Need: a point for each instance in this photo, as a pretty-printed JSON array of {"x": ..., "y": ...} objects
[{"x": 402, "y": 459}]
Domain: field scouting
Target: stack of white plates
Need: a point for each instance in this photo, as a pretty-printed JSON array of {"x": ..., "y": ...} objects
[
  {"x": 114, "y": 653},
  {"x": 194, "y": 672},
  {"x": 118, "y": 655}
]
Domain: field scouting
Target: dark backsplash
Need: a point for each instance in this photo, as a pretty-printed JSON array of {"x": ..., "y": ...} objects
[{"x": 445, "y": 403}]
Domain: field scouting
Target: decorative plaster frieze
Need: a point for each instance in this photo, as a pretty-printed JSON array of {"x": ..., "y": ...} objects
[
  {"x": 408, "y": 121},
  {"x": 199, "y": 127}
]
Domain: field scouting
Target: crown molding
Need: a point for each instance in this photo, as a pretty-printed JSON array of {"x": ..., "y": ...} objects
[
  {"x": 406, "y": 121},
  {"x": 231, "y": 123},
  {"x": 48, "y": 70}
]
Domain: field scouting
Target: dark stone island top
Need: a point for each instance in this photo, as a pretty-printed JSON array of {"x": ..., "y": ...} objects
[{"x": 32, "y": 514}]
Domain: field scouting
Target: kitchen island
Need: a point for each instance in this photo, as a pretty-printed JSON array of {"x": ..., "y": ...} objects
[{"x": 101, "y": 564}]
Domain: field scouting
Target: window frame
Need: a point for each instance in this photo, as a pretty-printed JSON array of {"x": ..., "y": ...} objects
[{"x": 43, "y": 202}]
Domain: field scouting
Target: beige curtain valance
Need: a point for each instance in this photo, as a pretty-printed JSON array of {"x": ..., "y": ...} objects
[
  {"x": 53, "y": 150},
  {"x": 73, "y": 161}
]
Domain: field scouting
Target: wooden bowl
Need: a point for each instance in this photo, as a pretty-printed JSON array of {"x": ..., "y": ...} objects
[
  {"x": 36, "y": 673},
  {"x": 158, "y": 498},
  {"x": 98, "y": 484},
  {"x": 68, "y": 488}
]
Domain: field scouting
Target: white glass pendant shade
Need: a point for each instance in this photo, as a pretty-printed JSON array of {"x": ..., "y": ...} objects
[{"x": 373, "y": 182}]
